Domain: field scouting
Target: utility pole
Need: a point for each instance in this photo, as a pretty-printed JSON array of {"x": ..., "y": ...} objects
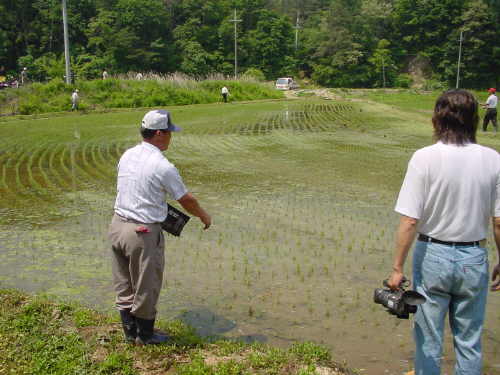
[
  {"x": 66, "y": 42},
  {"x": 297, "y": 27},
  {"x": 459, "y": 57},
  {"x": 383, "y": 71},
  {"x": 235, "y": 20}
]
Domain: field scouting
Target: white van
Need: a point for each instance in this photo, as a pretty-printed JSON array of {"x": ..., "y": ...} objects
[{"x": 285, "y": 83}]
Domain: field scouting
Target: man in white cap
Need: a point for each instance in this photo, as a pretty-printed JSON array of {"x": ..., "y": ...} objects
[
  {"x": 74, "y": 100},
  {"x": 145, "y": 179}
]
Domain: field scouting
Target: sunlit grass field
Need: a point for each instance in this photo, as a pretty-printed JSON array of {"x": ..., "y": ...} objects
[{"x": 301, "y": 193}]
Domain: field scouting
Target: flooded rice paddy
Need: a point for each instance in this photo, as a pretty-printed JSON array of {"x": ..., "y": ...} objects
[{"x": 302, "y": 197}]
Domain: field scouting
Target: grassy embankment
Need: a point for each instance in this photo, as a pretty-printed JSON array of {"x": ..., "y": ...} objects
[
  {"x": 40, "y": 335},
  {"x": 412, "y": 101},
  {"x": 100, "y": 95}
]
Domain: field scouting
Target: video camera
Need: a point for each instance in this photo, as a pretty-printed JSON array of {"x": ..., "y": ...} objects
[{"x": 398, "y": 302}]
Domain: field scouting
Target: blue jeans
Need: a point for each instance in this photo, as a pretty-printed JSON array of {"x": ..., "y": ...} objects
[{"x": 454, "y": 279}]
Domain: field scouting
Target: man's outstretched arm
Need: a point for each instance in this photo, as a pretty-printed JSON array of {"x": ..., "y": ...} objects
[{"x": 191, "y": 205}]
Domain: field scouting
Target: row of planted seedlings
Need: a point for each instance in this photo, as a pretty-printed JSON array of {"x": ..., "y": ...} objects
[
  {"x": 38, "y": 178},
  {"x": 291, "y": 116},
  {"x": 283, "y": 270},
  {"x": 302, "y": 118},
  {"x": 316, "y": 304},
  {"x": 52, "y": 167}
]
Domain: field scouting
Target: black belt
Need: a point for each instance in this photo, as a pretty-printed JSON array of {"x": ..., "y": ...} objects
[{"x": 423, "y": 237}]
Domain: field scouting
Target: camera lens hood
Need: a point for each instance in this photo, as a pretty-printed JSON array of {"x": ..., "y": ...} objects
[{"x": 413, "y": 298}]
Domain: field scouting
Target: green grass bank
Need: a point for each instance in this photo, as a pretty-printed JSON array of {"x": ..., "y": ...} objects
[
  {"x": 98, "y": 95},
  {"x": 44, "y": 335}
]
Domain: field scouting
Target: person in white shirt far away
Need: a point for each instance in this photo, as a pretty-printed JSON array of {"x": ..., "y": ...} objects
[
  {"x": 74, "y": 100},
  {"x": 491, "y": 110},
  {"x": 104, "y": 74},
  {"x": 145, "y": 179},
  {"x": 225, "y": 94}
]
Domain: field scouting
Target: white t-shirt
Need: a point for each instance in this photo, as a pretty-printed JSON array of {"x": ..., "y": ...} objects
[
  {"x": 145, "y": 178},
  {"x": 492, "y": 101},
  {"x": 74, "y": 97},
  {"x": 452, "y": 190},
  {"x": 225, "y": 90}
]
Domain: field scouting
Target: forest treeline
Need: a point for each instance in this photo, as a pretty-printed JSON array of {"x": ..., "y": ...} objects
[{"x": 340, "y": 43}]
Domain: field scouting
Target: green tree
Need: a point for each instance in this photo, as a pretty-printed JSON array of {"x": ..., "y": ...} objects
[
  {"x": 374, "y": 21},
  {"x": 337, "y": 49},
  {"x": 270, "y": 45},
  {"x": 15, "y": 19},
  {"x": 132, "y": 36},
  {"x": 383, "y": 64},
  {"x": 480, "y": 50},
  {"x": 424, "y": 26}
]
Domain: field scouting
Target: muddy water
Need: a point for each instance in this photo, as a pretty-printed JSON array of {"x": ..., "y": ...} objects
[{"x": 277, "y": 266}]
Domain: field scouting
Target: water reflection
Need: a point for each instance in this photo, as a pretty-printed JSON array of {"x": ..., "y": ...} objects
[{"x": 206, "y": 322}]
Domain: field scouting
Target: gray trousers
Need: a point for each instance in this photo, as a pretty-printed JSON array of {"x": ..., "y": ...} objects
[{"x": 138, "y": 261}]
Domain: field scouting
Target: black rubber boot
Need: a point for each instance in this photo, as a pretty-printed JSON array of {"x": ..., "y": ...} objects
[
  {"x": 129, "y": 325},
  {"x": 146, "y": 334}
]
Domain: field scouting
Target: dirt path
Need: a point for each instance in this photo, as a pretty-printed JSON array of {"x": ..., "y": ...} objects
[{"x": 321, "y": 93}]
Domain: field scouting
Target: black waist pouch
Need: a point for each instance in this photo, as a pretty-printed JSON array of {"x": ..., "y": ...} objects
[{"x": 175, "y": 221}]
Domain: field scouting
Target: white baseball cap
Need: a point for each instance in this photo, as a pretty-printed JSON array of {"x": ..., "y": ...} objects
[{"x": 159, "y": 119}]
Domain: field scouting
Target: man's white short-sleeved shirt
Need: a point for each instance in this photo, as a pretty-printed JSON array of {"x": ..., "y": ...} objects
[
  {"x": 452, "y": 190},
  {"x": 145, "y": 179},
  {"x": 492, "y": 101}
]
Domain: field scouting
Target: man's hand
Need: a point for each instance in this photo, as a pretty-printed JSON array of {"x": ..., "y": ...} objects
[
  {"x": 207, "y": 220},
  {"x": 495, "y": 287},
  {"x": 395, "y": 280}
]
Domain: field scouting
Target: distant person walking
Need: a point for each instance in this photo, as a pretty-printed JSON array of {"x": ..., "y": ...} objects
[
  {"x": 74, "y": 100},
  {"x": 225, "y": 94},
  {"x": 145, "y": 179},
  {"x": 24, "y": 76},
  {"x": 104, "y": 74},
  {"x": 450, "y": 194},
  {"x": 491, "y": 110}
]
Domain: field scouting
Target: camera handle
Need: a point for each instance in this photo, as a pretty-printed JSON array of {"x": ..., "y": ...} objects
[{"x": 405, "y": 283}]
